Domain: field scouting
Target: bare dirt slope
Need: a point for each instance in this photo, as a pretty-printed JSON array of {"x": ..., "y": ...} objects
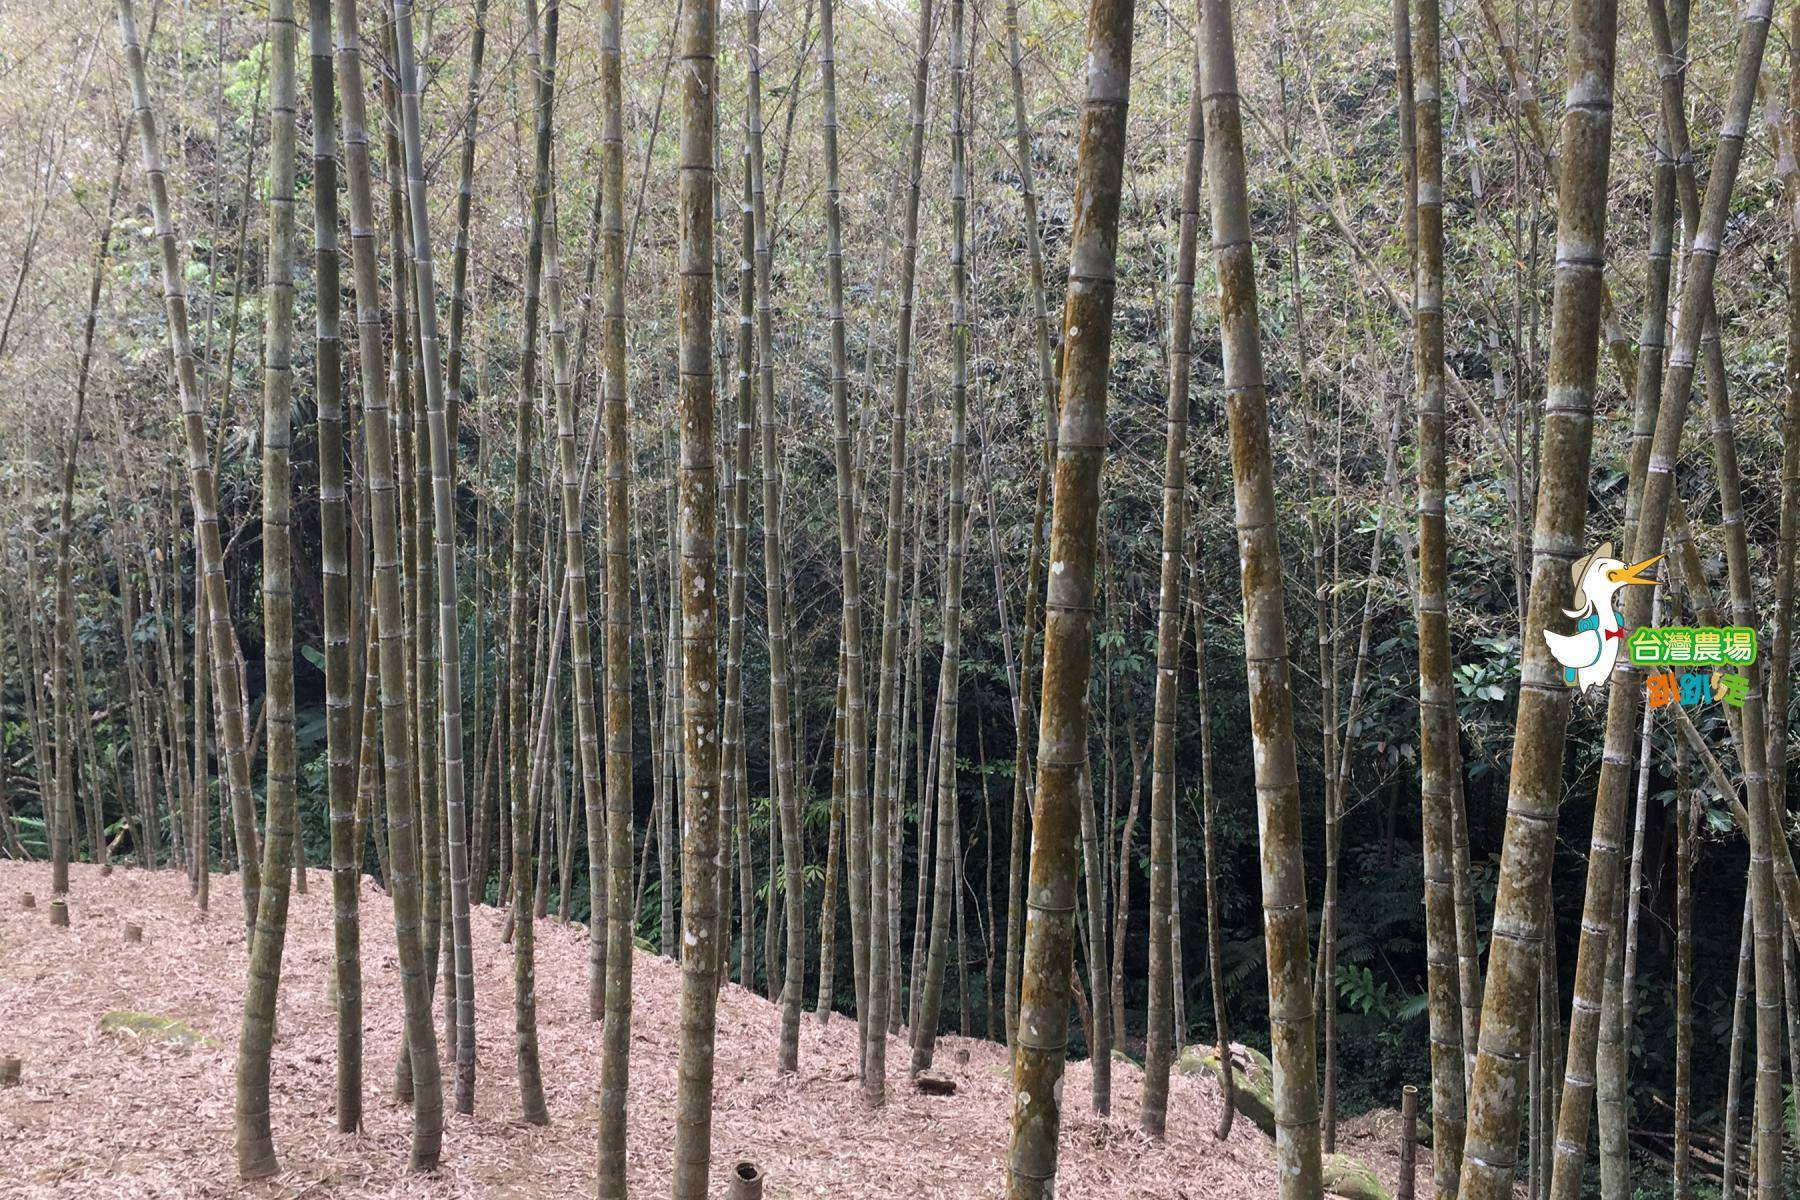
[{"x": 108, "y": 1114}]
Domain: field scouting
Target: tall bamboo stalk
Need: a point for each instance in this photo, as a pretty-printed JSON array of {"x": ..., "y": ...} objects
[
  {"x": 854, "y": 740},
  {"x": 698, "y": 587},
  {"x": 401, "y": 868},
  {"x": 950, "y": 663},
  {"x": 1022, "y": 776},
  {"x": 882, "y": 865},
  {"x": 541, "y": 53},
  {"x": 1291, "y": 1016},
  {"x": 341, "y": 715},
  {"x": 735, "y": 771},
  {"x": 784, "y": 787},
  {"x": 1621, "y": 722},
  {"x": 1520, "y": 916},
  {"x": 255, "y": 1143},
  {"x": 449, "y": 655},
  {"x": 615, "y": 1063},
  {"x": 1069, "y": 606},
  {"x": 1161, "y": 1038},
  {"x": 1439, "y": 762}
]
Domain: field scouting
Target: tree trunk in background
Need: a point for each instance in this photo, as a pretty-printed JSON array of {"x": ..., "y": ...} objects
[
  {"x": 202, "y": 476},
  {"x": 944, "y": 881},
  {"x": 853, "y": 740},
  {"x": 1535, "y": 789},
  {"x": 1162, "y": 1039},
  {"x": 459, "y": 267},
  {"x": 1022, "y": 778},
  {"x": 734, "y": 768},
  {"x": 255, "y": 1144},
  {"x": 1294, "y": 1051},
  {"x": 1042, "y": 1042},
  {"x": 1215, "y": 950},
  {"x": 621, "y": 916},
  {"x": 531, "y": 1084},
  {"x": 884, "y": 947},
  {"x": 783, "y": 788},
  {"x": 448, "y": 624},
  {"x": 581, "y": 654}
]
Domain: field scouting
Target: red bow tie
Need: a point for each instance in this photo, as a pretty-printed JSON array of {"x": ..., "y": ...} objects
[{"x": 1614, "y": 633}]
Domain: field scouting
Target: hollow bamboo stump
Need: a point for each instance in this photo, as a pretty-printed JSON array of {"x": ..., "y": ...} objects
[
  {"x": 746, "y": 1182},
  {"x": 59, "y": 913},
  {"x": 134, "y": 933},
  {"x": 28, "y": 900},
  {"x": 9, "y": 1071}
]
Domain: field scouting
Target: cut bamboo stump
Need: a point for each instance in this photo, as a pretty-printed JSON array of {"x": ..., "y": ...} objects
[
  {"x": 134, "y": 933},
  {"x": 59, "y": 913},
  {"x": 746, "y": 1182},
  {"x": 1409, "y": 1140},
  {"x": 9, "y": 1071},
  {"x": 27, "y": 901}
]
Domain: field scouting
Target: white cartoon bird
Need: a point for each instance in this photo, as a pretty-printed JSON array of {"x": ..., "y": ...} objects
[{"x": 1588, "y": 654}]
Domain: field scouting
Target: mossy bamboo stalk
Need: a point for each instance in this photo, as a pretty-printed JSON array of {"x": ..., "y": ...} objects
[
  {"x": 1439, "y": 762},
  {"x": 1695, "y": 314},
  {"x": 698, "y": 588},
  {"x": 1520, "y": 912},
  {"x": 1291, "y": 1014},
  {"x": 1041, "y": 1042}
]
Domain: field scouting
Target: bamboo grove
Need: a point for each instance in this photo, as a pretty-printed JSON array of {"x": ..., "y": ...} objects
[{"x": 987, "y": 519}]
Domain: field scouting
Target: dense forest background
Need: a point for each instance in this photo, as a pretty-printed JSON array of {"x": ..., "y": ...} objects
[{"x": 1332, "y": 274}]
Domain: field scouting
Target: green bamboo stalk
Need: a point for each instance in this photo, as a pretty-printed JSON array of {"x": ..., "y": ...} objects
[
  {"x": 255, "y": 1143},
  {"x": 401, "y": 868}
]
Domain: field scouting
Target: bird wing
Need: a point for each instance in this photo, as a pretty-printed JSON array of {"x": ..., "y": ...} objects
[{"x": 1574, "y": 650}]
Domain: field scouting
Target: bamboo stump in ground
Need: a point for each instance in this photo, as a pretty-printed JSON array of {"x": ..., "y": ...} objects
[
  {"x": 746, "y": 1182},
  {"x": 28, "y": 900},
  {"x": 59, "y": 913},
  {"x": 134, "y": 933},
  {"x": 9, "y": 1071}
]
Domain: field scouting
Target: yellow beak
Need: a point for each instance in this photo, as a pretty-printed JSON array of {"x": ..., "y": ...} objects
[{"x": 1635, "y": 572}]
